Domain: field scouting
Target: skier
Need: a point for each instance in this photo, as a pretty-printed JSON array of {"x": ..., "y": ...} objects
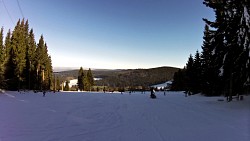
[
  {"x": 44, "y": 92},
  {"x": 152, "y": 95}
]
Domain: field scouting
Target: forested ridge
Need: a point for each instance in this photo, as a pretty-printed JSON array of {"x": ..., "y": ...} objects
[{"x": 126, "y": 77}]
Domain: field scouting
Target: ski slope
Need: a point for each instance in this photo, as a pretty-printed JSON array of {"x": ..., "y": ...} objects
[{"x": 69, "y": 116}]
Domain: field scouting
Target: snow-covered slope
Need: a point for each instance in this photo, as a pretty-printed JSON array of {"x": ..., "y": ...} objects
[
  {"x": 163, "y": 85},
  {"x": 115, "y": 117}
]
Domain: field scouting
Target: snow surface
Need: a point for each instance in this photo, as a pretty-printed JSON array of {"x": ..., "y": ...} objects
[{"x": 122, "y": 117}]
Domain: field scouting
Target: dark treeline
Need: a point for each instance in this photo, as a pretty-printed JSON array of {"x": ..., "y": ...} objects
[
  {"x": 138, "y": 77},
  {"x": 24, "y": 64},
  {"x": 223, "y": 65}
]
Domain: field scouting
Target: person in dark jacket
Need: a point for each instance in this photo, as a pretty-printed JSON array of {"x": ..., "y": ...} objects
[
  {"x": 152, "y": 95},
  {"x": 44, "y": 92}
]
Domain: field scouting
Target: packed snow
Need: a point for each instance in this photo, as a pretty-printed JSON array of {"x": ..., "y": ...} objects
[{"x": 77, "y": 116}]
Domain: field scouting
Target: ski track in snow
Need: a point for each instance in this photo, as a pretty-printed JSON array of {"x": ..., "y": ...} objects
[{"x": 114, "y": 117}]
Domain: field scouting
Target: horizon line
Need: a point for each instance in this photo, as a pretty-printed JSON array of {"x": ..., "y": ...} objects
[{"x": 74, "y": 68}]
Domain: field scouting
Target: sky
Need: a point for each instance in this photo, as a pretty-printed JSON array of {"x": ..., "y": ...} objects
[{"x": 113, "y": 34}]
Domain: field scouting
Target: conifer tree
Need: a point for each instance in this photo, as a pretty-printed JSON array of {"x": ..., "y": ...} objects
[
  {"x": 90, "y": 79},
  {"x": 39, "y": 63},
  {"x": 48, "y": 83},
  {"x": 86, "y": 82},
  {"x": 66, "y": 88},
  {"x": 7, "y": 46},
  {"x": 9, "y": 66},
  {"x": 30, "y": 60},
  {"x": 1, "y": 59},
  {"x": 218, "y": 46},
  {"x": 231, "y": 43},
  {"x": 196, "y": 80},
  {"x": 27, "y": 68},
  {"x": 58, "y": 84},
  {"x": 43, "y": 65},
  {"x": 179, "y": 80},
  {"x": 18, "y": 46},
  {"x": 190, "y": 74},
  {"x": 80, "y": 81},
  {"x": 209, "y": 72},
  {"x": 1, "y": 46}
]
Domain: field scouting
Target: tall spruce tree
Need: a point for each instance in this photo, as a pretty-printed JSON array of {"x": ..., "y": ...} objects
[
  {"x": 30, "y": 60},
  {"x": 189, "y": 77},
  {"x": 1, "y": 59},
  {"x": 231, "y": 43},
  {"x": 48, "y": 83},
  {"x": 90, "y": 79},
  {"x": 18, "y": 46},
  {"x": 7, "y": 46},
  {"x": 66, "y": 88},
  {"x": 209, "y": 72},
  {"x": 80, "y": 80},
  {"x": 48, "y": 72},
  {"x": 43, "y": 65},
  {"x": 58, "y": 84},
  {"x": 197, "y": 73},
  {"x": 179, "y": 80},
  {"x": 27, "y": 69},
  {"x": 40, "y": 63},
  {"x": 86, "y": 82},
  {"x": 9, "y": 75},
  {"x": 218, "y": 47}
]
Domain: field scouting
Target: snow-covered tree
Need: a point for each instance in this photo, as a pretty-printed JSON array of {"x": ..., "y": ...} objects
[
  {"x": 210, "y": 78},
  {"x": 231, "y": 43}
]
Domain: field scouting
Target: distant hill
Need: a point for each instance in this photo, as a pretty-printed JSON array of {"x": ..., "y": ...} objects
[
  {"x": 61, "y": 69},
  {"x": 126, "y": 77}
]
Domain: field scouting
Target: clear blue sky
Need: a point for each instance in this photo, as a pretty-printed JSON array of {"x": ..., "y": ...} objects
[{"x": 113, "y": 34}]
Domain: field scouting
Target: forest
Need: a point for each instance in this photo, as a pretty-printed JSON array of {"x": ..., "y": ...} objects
[
  {"x": 24, "y": 64},
  {"x": 223, "y": 66},
  {"x": 138, "y": 77},
  {"x": 121, "y": 78}
]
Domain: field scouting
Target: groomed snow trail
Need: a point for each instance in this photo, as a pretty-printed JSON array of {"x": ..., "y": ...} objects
[{"x": 115, "y": 117}]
